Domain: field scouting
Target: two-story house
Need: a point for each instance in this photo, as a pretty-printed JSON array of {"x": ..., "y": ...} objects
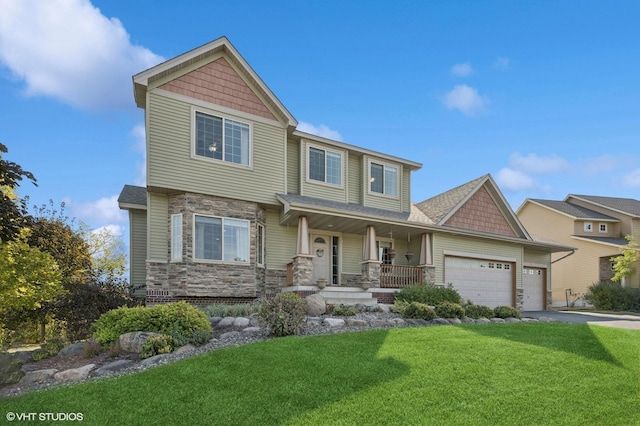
[
  {"x": 239, "y": 204},
  {"x": 596, "y": 226}
]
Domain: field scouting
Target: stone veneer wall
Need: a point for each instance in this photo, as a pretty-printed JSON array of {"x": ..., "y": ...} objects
[
  {"x": 519, "y": 299},
  {"x": 203, "y": 280}
]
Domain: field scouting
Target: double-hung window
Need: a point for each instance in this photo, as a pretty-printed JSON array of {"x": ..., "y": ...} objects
[
  {"x": 383, "y": 179},
  {"x": 222, "y": 139},
  {"x": 325, "y": 166},
  {"x": 222, "y": 239}
]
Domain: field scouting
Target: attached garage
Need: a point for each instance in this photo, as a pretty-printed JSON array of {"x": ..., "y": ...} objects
[
  {"x": 533, "y": 286},
  {"x": 484, "y": 282}
]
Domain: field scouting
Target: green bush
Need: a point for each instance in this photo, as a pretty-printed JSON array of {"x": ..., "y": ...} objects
[
  {"x": 478, "y": 311},
  {"x": 238, "y": 310},
  {"x": 345, "y": 310},
  {"x": 505, "y": 312},
  {"x": 449, "y": 310},
  {"x": 172, "y": 318},
  {"x": 429, "y": 294},
  {"x": 283, "y": 315},
  {"x": 156, "y": 345},
  {"x": 611, "y": 296},
  {"x": 399, "y": 306},
  {"x": 419, "y": 310}
]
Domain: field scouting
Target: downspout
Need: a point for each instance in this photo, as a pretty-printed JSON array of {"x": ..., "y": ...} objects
[{"x": 564, "y": 257}]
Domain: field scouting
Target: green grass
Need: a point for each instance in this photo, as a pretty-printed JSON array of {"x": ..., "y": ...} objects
[{"x": 511, "y": 374}]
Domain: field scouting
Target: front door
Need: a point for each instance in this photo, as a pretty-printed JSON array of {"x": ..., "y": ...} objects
[{"x": 321, "y": 250}]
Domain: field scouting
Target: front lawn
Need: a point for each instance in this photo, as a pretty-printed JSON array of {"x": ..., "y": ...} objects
[{"x": 510, "y": 374}]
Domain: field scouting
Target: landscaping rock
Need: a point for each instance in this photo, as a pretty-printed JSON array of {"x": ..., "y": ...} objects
[
  {"x": 454, "y": 321},
  {"x": 154, "y": 360},
  {"x": 74, "y": 374},
  {"x": 315, "y": 305},
  {"x": 356, "y": 322},
  {"x": 467, "y": 320},
  {"x": 73, "y": 349},
  {"x": 334, "y": 322},
  {"x": 185, "y": 348},
  {"x": 10, "y": 368},
  {"x": 483, "y": 320},
  {"x": 251, "y": 330},
  {"x": 440, "y": 321},
  {"x": 512, "y": 319},
  {"x": 378, "y": 323},
  {"x": 314, "y": 321},
  {"x": 230, "y": 335},
  {"x": 214, "y": 320},
  {"x": 37, "y": 376},
  {"x": 241, "y": 322},
  {"x": 397, "y": 322},
  {"x": 497, "y": 320},
  {"x": 112, "y": 367},
  {"x": 381, "y": 307},
  {"x": 226, "y": 321},
  {"x": 547, "y": 319},
  {"x": 133, "y": 342},
  {"x": 529, "y": 320}
]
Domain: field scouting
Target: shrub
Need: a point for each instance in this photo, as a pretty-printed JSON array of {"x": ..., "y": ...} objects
[
  {"x": 238, "y": 310},
  {"x": 156, "y": 345},
  {"x": 91, "y": 349},
  {"x": 478, "y": 311},
  {"x": 196, "y": 338},
  {"x": 449, "y": 310},
  {"x": 345, "y": 310},
  {"x": 399, "y": 306},
  {"x": 284, "y": 314},
  {"x": 419, "y": 310},
  {"x": 172, "y": 318},
  {"x": 429, "y": 294},
  {"x": 506, "y": 312},
  {"x": 611, "y": 296}
]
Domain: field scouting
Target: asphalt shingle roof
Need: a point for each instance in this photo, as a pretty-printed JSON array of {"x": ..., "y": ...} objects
[
  {"x": 133, "y": 195},
  {"x": 438, "y": 207},
  {"x": 626, "y": 205},
  {"x": 573, "y": 210}
]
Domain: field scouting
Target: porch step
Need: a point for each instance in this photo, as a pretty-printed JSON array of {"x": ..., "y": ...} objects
[{"x": 348, "y": 296}]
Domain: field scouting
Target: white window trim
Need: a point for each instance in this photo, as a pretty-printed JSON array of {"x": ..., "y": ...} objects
[
  {"x": 226, "y": 262},
  {"x": 176, "y": 237},
  {"x": 601, "y": 225},
  {"x": 224, "y": 117},
  {"x": 588, "y": 227},
  {"x": 333, "y": 151},
  {"x": 384, "y": 166},
  {"x": 260, "y": 250}
]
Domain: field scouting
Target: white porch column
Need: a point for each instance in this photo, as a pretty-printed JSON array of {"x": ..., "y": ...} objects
[
  {"x": 426, "y": 250},
  {"x": 302, "y": 245},
  {"x": 370, "y": 252}
]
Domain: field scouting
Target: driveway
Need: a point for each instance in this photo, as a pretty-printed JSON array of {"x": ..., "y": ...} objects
[{"x": 580, "y": 317}]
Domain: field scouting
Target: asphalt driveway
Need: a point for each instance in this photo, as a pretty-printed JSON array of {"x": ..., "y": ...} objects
[{"x": 580, "y": 317}]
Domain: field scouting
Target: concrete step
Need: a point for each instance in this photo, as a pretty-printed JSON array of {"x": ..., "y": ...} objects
[{"x": 348, "y": 296}]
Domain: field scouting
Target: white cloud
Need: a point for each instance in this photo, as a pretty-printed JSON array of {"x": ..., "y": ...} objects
[
  {"x": 501, "y": 63},
  {"x": 103, "y": 210},
  {"x": 632, "y": 179},
  {"x": 602, "y": 164},
  {"x": 68, "y": 50},
  {"x": 534, "y": 164},
  {"x": 465, "y": 99},
  {"x": 462, "y": 70},
  {"x": 320, "y": 130},
  {"x": 515, "y": 180},
  {"x": 116, "y": 230}
]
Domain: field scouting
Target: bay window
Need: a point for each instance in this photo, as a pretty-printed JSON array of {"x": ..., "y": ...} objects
[{"x": 222, "y": 239}]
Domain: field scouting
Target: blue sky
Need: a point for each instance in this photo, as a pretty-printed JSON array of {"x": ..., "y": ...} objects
[{"x": 544, "y": 95}]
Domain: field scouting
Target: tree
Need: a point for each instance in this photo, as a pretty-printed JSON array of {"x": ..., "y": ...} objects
[
  {"x": 108, "y": 258},
  {"x": 624, "y": 264},
  {"x": 28, "y": 277},
  {"x": 13, "y": 210}
]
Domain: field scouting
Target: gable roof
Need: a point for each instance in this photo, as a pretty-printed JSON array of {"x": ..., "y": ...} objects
[
  {"x": 453, "y": 208},
  {"x": 628, "y": 206},
  {"x": 576, "y": 212},
  {"x": 182, "y": 62}
]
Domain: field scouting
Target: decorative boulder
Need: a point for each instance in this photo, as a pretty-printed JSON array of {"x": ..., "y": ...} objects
[
  {"x": 72, "y": 349},
  {"x": 38, "y": 376},
  {"x": 316, "y": 305},
  {"x": 133, "y": 342},
  {"x": 74, "y": 374},
  {"x": 10, "y": 368}
]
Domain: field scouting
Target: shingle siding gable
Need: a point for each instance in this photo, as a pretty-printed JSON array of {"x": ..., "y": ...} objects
[{"x": 480, "y": 213}]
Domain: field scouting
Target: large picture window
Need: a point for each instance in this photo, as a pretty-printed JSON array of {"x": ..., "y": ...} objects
[
  {"x": 222, "y": 139},
  {"x": 383, "y": 179},
  {"x": 222, "y": 239},
  {"x": 325, "y": 166}
]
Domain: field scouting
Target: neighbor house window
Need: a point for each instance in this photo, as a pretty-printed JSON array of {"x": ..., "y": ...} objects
[
  {"x": 222, "y": 139},
  {"x": 260, "y": 245},
  {"x": 176, "y": 237},
  {"x": 222, "y": 239},
  {"x": 588, "y": 227},
  {"x": 383, "y": 179},
  {"x": 325, "y": 166},
  {"x": 603, "y": 227}
]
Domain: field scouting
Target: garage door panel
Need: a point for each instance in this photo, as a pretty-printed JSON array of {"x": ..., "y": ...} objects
[
  {"x": 484, "y": 282},
  {"x": 533, "y": 286}
]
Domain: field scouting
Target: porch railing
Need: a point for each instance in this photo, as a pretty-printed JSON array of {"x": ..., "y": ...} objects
[{"x": 398, "y": 276}]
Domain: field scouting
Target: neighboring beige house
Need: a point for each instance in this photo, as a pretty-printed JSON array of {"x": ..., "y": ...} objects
[
  {"x": 239, "y": 205},
  {"x": 595, "y": 226}
]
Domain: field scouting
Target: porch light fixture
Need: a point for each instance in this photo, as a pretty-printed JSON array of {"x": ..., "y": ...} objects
[{"x": 409, "y": 256}]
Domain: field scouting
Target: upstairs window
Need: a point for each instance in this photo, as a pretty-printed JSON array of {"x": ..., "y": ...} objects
[
  {"x": 222, "y": 139},
  {"x": 588, "y": 227},
  {"x": 383, "y": 179},
  {"x": 325, "y": 166},
  {"x": 603, "y": 227}
]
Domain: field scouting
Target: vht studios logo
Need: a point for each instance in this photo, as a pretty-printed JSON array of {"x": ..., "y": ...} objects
[{"x": 52, "y": 417}]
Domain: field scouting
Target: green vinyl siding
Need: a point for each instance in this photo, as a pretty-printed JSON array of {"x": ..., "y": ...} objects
[
  {"x": 536, "y": 257},
  {"x": 171, "y": 164},
  {"x": 311, "y": 188},
  {"x": 405, "y": 190},
  {"x": 352, "y": 247},
  {"x": 484, "y": 248},
  {"x": 354, "y": 180},
  {"x": 376, "y": 200},
  {"x": 158, "y": 221},
  {"x": 280, "y": 242},
  {"x": 293, "y": 167},
  {"x": 138, "y": 251}
]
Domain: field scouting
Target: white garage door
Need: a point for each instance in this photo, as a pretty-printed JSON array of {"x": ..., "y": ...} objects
[
  {"x": 533, "y": 289},
  {"x": 485, "y": 282}
]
